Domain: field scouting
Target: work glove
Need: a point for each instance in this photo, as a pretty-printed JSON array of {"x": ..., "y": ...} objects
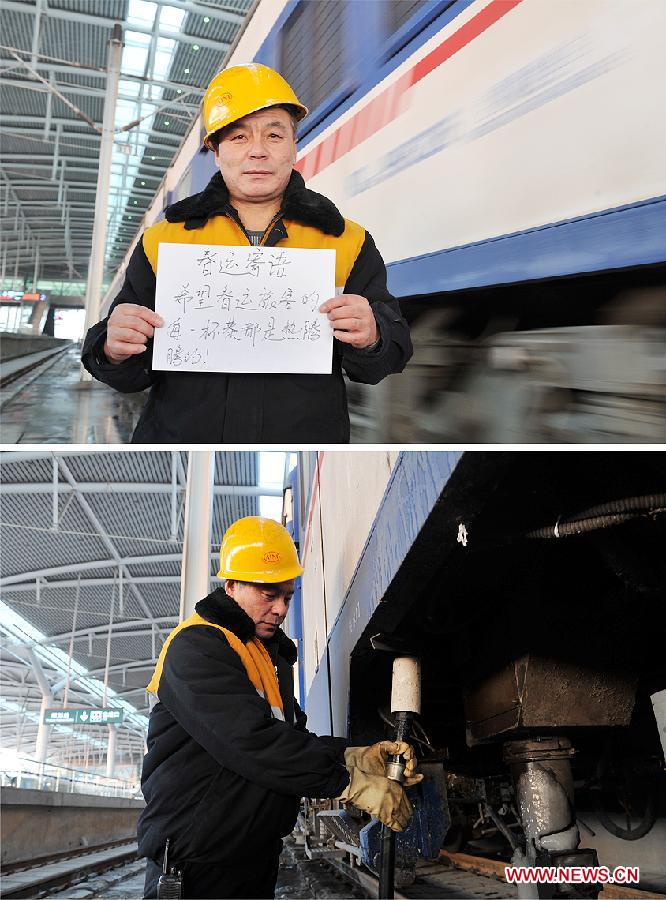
[
  {"x": 375, "y": 794},
  {"x": 372, "y": 760}
]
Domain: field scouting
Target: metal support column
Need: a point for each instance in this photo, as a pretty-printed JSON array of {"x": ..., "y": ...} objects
[
  {"x": 174, "y": 495},
  {"x": 35, "y": 274},
  {"x": 195, "y": 572},
  {"x": 54, "y": 525},
  {"x": 96, "y": 268},
  {"x": 111, "y": 751},
  {"x": 43, "y": 730}
]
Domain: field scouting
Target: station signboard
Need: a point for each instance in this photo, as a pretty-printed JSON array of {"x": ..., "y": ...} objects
[
  {"x": 108, "y": 716},
  {"x": 18, "y": 297}
]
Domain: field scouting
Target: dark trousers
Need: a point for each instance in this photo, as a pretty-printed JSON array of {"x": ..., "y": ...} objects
[{"x": 253, "y": 881}]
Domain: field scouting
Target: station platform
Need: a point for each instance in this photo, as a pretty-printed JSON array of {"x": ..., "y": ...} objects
[
  {"x": 113, "y": 870},
  {"x": 50, "y": 405}
]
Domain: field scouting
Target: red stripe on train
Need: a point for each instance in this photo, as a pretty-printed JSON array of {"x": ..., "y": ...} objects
[{"x": 386, "y": 107}]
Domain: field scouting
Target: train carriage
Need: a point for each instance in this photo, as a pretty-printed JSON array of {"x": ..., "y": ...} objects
[
  {"x": 530, "y": 588},
  {"x": 507, "y": 156}
]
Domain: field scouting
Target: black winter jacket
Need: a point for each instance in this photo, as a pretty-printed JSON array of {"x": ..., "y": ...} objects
[
  {"x": 197, "y": 407},
  {"x": 222, "y": 778}
]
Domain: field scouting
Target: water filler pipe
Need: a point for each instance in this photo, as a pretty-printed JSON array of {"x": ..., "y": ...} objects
[{"x": 405, "y": 703}]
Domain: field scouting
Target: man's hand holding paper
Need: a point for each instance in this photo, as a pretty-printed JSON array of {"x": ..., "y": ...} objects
[
  {"x": 128, "y": 330},
  {"x": 247, "y": 309},
  {"x": 352, "y": 319}
]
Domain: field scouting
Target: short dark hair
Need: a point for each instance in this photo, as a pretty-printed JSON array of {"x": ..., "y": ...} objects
[{"x": 217, "y": 136}]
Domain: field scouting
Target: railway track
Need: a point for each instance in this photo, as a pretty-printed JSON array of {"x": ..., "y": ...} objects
[
  {"x": 454, "y": 875},
  {"x": 38, "y": 877},
  {"x": 463, "y": 876}
]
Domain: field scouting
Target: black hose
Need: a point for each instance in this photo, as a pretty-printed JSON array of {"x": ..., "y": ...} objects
[
  {"x": 386, "y": 864},
  {"x": 604, "y": 515},
  {"x": 644, "y": 503},
  {"x": 403, "y": 721}
]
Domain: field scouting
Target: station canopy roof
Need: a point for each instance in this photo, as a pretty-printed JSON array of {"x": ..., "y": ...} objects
[
  {"x": 53, "y": 76},
  {"x": 91, "y": 556}
]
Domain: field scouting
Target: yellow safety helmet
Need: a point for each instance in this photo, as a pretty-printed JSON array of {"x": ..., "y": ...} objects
[
  {"x": 241, "y": 90},
  {"x": 258, "y": 550}
]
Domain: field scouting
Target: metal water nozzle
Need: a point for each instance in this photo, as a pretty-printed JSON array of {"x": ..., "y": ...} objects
[{"x": 405, "y": 703}]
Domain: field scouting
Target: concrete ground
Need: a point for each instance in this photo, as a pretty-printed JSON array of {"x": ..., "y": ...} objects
[
  {"x": 53, "y": 407},
  {"x": 299, "y": 879}
]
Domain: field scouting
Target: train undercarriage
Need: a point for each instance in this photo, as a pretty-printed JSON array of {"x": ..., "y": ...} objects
[
  {"x": 533, "y": 598},
  {"x": 570, "y": 360}
]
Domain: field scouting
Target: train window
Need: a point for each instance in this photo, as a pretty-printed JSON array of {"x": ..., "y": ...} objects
[
  {"x": 312, "y": 55},
  {"x": 306, "y": 471},
  {"x": 328, "y": 50},
  {"x": 399, "y": 11},
  {"x": 293, "y": 64},
  {"x": 404, "y": 19}
]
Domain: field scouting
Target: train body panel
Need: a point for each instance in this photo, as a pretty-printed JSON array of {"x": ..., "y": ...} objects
[
  {"x": 534, "y": 118},
  {"x": 507, "y": 156},
  {"x": 341, "y": 491},
  {"x": 382, "y": 527},
  {"x": 530, "y": 587},
  {"x": 499, "y": 117}
]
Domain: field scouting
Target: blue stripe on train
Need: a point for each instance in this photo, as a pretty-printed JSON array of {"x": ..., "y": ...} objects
[{"x": 630, "y": 235}]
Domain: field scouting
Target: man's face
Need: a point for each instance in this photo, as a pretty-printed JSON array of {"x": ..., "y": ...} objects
[
  {"x": 266, "y": 604},
  {"x": 256, "y": 155}
]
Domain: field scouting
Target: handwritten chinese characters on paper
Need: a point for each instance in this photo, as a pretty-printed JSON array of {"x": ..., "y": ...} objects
[{"x": 243, "y": 309}]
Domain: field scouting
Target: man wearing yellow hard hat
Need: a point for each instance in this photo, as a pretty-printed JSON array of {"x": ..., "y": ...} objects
[
  {"x": 229, "y": 756},
  {"x": 257, "y": 198}
]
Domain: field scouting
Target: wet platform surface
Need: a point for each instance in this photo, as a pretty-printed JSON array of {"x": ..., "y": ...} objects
[
  {"x": 299, "y": 879},
  {"x": 53, "y": 406}
]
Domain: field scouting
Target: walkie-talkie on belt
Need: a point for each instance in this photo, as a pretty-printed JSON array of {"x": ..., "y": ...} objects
[{"x": 170, "y": 885}]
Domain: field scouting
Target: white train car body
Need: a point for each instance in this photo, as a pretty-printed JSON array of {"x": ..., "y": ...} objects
[
  {"x": 511, "y": 116},
  {"x": 507, "y": 157},
  {"x": 341, "y": 488},
  {"x": 476, "y": 122}
]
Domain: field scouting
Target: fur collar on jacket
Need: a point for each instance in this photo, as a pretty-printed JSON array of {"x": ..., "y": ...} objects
[
  {"x": 221, "y": 609},
  {"x": 299, "y": 203}
]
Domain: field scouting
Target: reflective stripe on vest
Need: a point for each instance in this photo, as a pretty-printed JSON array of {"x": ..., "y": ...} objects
[
  {"x": 222, "y": 230},
  {"x": 254, "y": 656}
]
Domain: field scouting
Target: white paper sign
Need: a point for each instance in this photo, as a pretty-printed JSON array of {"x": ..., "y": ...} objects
[{"x": 243, "y": 309}]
